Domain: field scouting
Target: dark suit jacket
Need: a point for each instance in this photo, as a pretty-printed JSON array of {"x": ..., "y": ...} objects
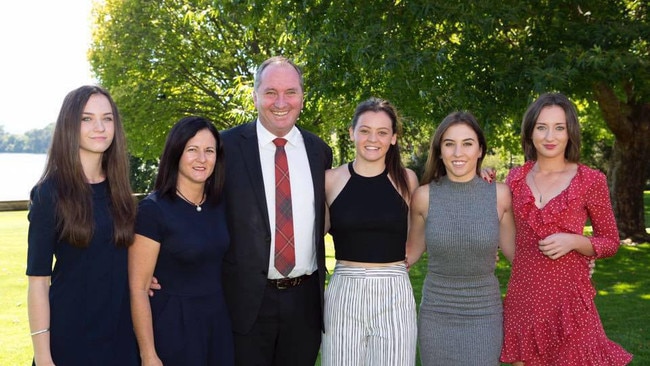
[{"x": 246, "y": 263}]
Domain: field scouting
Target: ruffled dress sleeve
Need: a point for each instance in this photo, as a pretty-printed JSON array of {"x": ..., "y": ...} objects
[{"x": 605, "y": 238}]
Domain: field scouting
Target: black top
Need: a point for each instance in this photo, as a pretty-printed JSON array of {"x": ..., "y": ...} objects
[
  {"x": 90, "y": 318},
  {"x": 369, "y": 220}
]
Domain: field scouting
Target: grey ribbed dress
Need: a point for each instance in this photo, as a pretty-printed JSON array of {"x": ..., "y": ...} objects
[{"x": 460, "y": 320}]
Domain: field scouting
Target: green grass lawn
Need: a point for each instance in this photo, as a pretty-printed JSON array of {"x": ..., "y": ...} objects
[
  {"x": 15, "y": 342},
  {"x": 623, "y": 284}
]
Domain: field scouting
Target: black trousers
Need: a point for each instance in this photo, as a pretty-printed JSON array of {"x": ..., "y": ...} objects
[{"x": 287, "y": 331}]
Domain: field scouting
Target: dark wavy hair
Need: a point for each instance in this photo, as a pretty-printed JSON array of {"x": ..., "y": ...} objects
[
  {"x": 434, "y": 168},
  {"x": 74, "y": 195},
  {"x": 178, "y": 136},
  {"x": 572, "y": 151}
]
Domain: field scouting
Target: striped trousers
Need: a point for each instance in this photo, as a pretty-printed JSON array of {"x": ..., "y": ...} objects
[{"x": 370, "y": 317}]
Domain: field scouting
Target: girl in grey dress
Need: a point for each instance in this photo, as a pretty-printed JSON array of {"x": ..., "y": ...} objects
[{"x": 461, "y": 221}]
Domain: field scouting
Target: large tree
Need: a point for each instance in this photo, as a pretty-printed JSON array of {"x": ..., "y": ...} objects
[
  {"x": 592, "y": 50},
  {"x": 494, "y": 57},
  {"x": 165, "y": 59},
  {"x": 170, "y": 57}
]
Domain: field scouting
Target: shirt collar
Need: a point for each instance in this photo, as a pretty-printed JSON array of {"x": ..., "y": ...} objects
[{"x": 265, "y": 137}]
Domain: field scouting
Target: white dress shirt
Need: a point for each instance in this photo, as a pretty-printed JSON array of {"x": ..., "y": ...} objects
[{"x": 302, "y": 198}]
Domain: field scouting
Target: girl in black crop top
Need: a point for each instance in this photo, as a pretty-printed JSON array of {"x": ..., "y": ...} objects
[{"x": 369, "y": 306}]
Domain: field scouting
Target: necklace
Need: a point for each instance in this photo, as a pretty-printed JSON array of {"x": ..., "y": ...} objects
[
  {"x": 549, "y": 186},
  {"x": 532, "y": 177},
  {"x": 198, "y": 205}
]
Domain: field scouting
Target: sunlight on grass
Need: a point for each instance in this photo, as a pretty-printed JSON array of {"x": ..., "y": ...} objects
[
  {"x": 633, "y": 248},
  {"x": 330, "y": 261},
  {"x": 622, "y": 288},
  {"x": 619, "y": 288}
]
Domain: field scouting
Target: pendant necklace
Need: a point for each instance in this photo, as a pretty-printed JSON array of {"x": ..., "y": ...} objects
[
  {"x": 550, "y": 185},
  {"x": 198, "y": 205},
  {"x": 532, "y": 177}
]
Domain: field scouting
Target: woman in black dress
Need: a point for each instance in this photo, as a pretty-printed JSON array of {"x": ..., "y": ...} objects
[
  {"x": 181, "y": 237},
  {"x": 82, "y": 213}
]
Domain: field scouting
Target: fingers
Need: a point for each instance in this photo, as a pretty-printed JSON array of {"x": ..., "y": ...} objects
[
  {"x": 549, "y": 250},
  {"x": 592, "y": 267},
  {"x": 488, "y": 174},
  {"x": 154, "y": 285}
]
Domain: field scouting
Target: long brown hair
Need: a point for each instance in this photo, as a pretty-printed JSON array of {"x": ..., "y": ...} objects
[
  {"x": 434, "y": 168},
  {"x": 394, "y": 164},
  {"x": 74, "y": 207}
]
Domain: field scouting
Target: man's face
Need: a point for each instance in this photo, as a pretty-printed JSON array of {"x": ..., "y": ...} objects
[{"x": 278, "y": 98}]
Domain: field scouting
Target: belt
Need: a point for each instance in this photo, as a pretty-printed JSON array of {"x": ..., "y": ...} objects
[{"x": 285, "y": 283}]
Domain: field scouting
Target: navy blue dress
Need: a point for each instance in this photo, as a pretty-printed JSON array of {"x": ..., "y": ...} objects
[
  {"x": 90, "y": 318},
  {"x": 191, "y": 323}
]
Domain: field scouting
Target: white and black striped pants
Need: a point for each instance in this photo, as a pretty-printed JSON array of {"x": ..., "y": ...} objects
[{"x": 370, "y": 317}]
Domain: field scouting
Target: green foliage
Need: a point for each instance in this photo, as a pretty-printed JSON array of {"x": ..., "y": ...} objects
[
  {"x": 502, "y": 161},
  {"x": 597, "y": 139},
  {"x": 171, "y": 58},
  {"x": 143, "y": 174},
  {"x": 165, "y": 59}
]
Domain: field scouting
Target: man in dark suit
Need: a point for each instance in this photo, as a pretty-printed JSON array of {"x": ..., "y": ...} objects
[{"x": 276, "y": 318}]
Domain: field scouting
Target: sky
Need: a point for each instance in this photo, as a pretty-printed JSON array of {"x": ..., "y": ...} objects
[{"x": 43, "y": 47}]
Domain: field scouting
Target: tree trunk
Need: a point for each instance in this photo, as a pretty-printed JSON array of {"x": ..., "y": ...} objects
[
  {"x": 628, "y": 169},
  {"x": 627, "y": 180}
]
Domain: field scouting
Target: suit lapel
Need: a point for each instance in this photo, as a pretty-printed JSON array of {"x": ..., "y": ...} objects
[
  {"x": 315, "y": 159},
  {"x": 317, "y": 169},
  {"x": 250, "y": 153}
]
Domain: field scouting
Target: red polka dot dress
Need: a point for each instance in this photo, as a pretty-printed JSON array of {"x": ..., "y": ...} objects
[{"x": 549, "y": 313}]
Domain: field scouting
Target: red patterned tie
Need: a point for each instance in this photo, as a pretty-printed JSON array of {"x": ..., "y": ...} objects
[{"x": 285, "y": 256}]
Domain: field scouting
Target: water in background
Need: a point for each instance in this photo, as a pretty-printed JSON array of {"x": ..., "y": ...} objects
[{"x": 18, "y": 174}]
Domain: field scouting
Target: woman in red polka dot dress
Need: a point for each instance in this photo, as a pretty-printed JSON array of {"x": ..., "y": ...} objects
[{"x": 549, "y": 313}]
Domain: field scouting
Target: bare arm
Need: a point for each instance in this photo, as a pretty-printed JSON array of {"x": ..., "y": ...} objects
[
  {"x": 38, "y": 310},
  {"x": 412, "y": 180},
  {"x": 335, "y": 180},
  {"x": 415, "y": 246},
  {"x": 327, "y": 219},
  {"x": 143, "y": 255},
  {"x": 506, "y": 222}
]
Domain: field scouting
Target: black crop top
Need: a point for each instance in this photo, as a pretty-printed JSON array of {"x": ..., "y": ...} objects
[{"x": 369, "y": 220}]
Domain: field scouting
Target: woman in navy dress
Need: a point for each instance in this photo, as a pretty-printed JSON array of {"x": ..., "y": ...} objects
[
  {"x": 81, "y": 213},
  {"x": 181, "y": 237}
]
